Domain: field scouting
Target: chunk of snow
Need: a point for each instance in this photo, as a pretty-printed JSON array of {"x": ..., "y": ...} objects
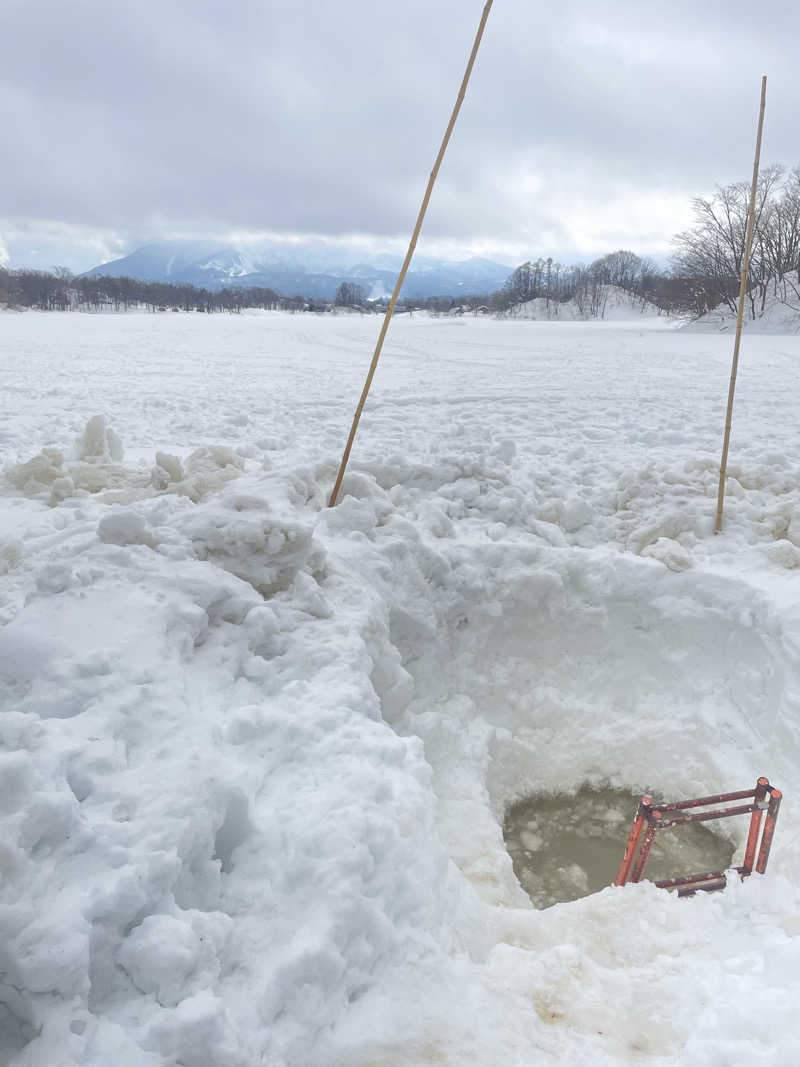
[
  {"x": 98, "y": 441},
  {"x": 670, "y": 553},
  {"x": 124, "y": 528}
]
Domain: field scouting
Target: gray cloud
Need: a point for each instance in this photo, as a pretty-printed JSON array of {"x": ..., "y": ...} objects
[{"x": 583, "y": 124}]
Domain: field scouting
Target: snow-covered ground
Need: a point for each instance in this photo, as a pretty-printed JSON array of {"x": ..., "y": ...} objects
[{"x": 256, "y": 752}]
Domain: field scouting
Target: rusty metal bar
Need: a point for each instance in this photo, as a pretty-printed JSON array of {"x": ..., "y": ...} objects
[
  {"x": 709, "y": 887},
  {"x": 775, "y": 796},
  {"x": 672, "y": 883},
  {"x": 755, "y": 824},
  {"x": 718, "y": 798},
  {"x": 633, "y": 840},
  {"x": 653, "y": 818},
  {"x": 705, "y": 816}
]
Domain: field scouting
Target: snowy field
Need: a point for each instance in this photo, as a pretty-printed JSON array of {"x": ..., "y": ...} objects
[{"x": 256, "y": 753}]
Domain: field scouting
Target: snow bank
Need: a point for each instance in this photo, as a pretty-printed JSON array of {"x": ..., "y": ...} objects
[
  {"x": 776, "y": 317},
  {"x": 196, "y": 912}
]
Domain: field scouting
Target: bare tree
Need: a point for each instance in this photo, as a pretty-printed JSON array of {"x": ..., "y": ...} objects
[
  {"x": 781, "y": 242},
  {"x": 713, "y": 250},
  {"x": 349, "y": 295}
]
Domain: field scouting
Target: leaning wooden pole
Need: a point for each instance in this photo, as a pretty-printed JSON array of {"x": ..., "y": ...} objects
[
  {"x": 413, "y": 244},
  {"x": 748, "y": 244}
]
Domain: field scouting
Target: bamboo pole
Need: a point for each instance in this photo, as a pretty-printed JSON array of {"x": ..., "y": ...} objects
[
  {"x": 413, "y": 244},
  {"x": 748, "y": 244}
]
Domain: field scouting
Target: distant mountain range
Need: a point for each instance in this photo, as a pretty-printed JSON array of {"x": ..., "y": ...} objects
[{"x": 309, "y": 269}]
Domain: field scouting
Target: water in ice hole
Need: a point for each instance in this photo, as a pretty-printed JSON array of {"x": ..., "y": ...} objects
[{"x": 565, "y": 847}]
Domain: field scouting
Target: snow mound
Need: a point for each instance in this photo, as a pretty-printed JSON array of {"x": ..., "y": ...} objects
[
  {"x": 64, "y": 478},
  {"x": 618, "y": 306},
  {"x": 242, "y": 536},
  {"x": 124, "y": 528},
  {"x": 175, "y": 956},
  {"x": 205, "y": 470},
  {"x": 95, "y": 466}
]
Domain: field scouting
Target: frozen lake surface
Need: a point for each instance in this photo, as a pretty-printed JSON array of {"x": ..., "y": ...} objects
[{"x": 257, "y": 754}]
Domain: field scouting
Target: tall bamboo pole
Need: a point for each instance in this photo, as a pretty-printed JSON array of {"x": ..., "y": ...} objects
[
  {"x": 748, "y": 244},
  {"x": 402, "y": 275}
]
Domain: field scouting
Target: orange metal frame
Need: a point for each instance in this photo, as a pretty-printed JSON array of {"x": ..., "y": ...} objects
[{"x": 649, "y": 820}]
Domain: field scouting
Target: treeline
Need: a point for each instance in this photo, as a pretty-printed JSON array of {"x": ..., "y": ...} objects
[
  {"x": 705, "y": 268},
  {"x": 351, "y": 295},
  {"x": 60, "y": 291}
]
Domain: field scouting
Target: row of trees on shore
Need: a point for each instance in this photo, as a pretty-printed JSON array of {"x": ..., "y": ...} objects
[
  {"x": 703, "y": 274},
  {"x": 58, "y": 290}
]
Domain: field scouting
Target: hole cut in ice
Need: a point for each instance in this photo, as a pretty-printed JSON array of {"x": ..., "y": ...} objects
[{"x": 566, "y": 847}]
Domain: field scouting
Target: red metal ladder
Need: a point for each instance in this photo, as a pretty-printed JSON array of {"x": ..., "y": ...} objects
[{"x": 659, "y": 817}]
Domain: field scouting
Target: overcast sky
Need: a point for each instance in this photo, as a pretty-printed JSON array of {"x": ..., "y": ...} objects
[{"x": 587, "y": 126}]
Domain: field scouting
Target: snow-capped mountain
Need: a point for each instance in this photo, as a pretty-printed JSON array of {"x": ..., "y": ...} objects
[{"x": 310, "y": 269}]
